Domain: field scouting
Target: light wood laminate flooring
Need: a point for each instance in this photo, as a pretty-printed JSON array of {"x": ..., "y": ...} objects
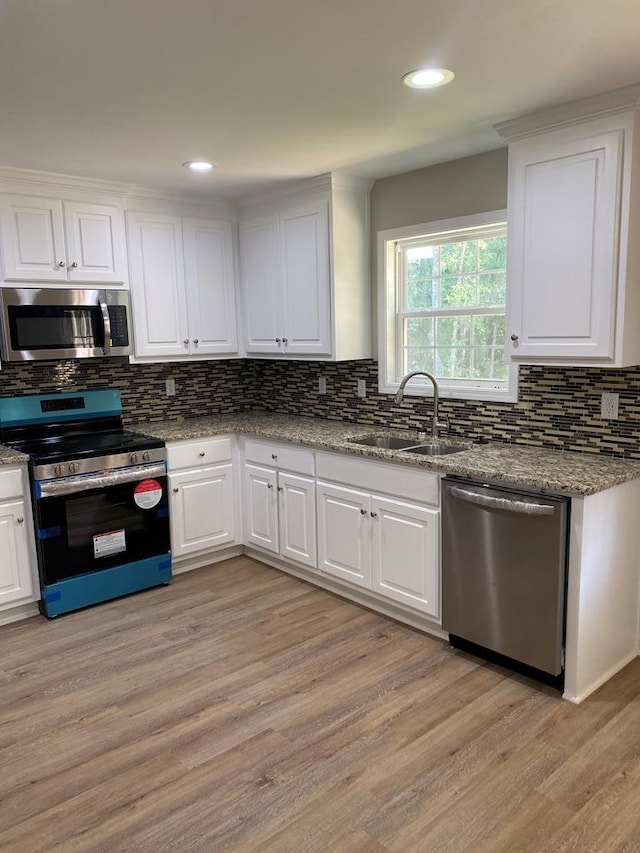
[{"x": 242, "y": 710}]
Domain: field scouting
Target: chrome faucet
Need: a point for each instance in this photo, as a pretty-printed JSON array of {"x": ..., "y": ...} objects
[{"x": 435, "y": 424}]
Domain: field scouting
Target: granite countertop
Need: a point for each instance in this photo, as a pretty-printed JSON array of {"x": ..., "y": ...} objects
[
  {"x": 12, "y": 457},
  {"x": 574, "y": 474}
]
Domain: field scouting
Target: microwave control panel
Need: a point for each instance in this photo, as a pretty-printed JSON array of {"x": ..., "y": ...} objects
[{"x": 119, "y": 328}]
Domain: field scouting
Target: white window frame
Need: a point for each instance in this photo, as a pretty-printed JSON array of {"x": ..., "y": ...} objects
[{"x": 388, "y": 327}]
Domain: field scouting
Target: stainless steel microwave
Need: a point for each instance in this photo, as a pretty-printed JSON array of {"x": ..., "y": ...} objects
[{"x": 52, "y": 323}]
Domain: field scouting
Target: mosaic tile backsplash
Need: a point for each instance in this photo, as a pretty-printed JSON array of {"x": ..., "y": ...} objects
[{"x": 557, "y": 407}]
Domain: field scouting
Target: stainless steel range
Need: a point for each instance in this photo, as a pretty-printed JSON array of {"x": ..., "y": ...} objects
[{"x": 99, "y": 495}]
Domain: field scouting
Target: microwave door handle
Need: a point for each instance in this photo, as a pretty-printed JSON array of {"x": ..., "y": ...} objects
[{"x": 106, "y": 322}]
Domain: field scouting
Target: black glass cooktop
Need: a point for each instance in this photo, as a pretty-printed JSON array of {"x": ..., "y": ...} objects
[{"x": 80, "y": 446}]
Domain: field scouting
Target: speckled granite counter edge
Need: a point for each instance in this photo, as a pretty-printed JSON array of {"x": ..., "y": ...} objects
[
  {"x": 574, "y": 474},
  {"x": 12, "y": 457}
]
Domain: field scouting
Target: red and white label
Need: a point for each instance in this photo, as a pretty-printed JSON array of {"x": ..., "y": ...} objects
[{"x": 147, "y": 494}]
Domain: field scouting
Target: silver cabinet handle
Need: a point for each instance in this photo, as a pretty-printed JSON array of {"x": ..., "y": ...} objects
[
  {"x": 285, "y": 341},
  {"x": 281, "y": 488},
  {"x": 363, "y": 512},
  {"x": 373, "y": 514},
  {"x": 278, "y": 341},
  {"x": 514, "y": 338},
  {"x": 74, "y": 265},
  {"x": 61, "y": 264},
  {"x": 186, "y": 342},
  {"x": 176, "y": 491},
  {"x": 269, "y": 485},
  {"x": 523, "y": 507},
  {"x": 202, "y": 453},
  {"x": 274, "y": 455},
  {"x": 19, "y": 519},
  {"x": 196, "y": 341}
]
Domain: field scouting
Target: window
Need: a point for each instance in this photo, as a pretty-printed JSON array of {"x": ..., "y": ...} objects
[{"x": 442, "y": 307}]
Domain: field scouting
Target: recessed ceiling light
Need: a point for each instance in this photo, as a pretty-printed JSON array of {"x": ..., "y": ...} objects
[
  {"x": 198, "y": 165},
  {"x": 427, "y": 78}
]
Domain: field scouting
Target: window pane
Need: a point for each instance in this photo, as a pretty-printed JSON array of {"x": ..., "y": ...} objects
[
  {"x": 492, "y": 253},
  {"x": 459, "y": 257},
  {"x": 453, "y": 331},
  {"x": 492, "y": 288},
  {"x": 418, "y": 359},
  {"x": 421, "y": 263},
  {"x": 419, "y": 332},
  {"x": 454, "y": 363},
  {"x": 488, "y": 363},
  {"x": 488, "y": 330},
  {"x": 458, "y": 292}
]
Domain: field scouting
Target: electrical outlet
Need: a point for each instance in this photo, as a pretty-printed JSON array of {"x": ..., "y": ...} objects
[
  {"x": 362, "y": 388},
  {"x": 609, "y": 405},
  {"x": 170, "y": 386},
  {"x": 322, "y": 385}
]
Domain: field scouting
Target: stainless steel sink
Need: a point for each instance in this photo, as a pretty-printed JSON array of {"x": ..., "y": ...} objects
[
  {"x": 386, "y": 442},
  {"x": 435, "y": 449},
  {"x": 408, "y": 445}
]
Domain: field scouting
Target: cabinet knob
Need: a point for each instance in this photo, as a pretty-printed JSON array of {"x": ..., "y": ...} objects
[
  {"x": 280, "y": 488},
  {"x": 363, "y": 511},
  {"x": 186, "y": 342},
  {"x": 514, "y": 338},
  {"x": 196, "y": 341},
  {"x": 278, "y": 340},
  {"x": 373, "y": 514},
  {"x": 269, "y": 485},
  {"x": 285, "y": 341},
  {"x": 176, "y": 491},
  {"x": 74, "y": 265},
  {"x": 201, "y": 453},
  {"x": 274, "y": 455},
  {"x": 19, "y": 519},
  {"x": 61, "y": 264}
]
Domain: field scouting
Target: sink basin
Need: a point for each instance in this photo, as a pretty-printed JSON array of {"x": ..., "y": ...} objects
[
  {"x": 386, "y": 442},
  {"x": 435, "y": 449}
]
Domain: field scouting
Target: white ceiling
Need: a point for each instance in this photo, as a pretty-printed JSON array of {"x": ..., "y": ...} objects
[{"x": 273, "y": 90}]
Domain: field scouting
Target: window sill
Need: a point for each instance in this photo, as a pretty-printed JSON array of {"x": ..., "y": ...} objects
[{"x": 449, "y": 393}]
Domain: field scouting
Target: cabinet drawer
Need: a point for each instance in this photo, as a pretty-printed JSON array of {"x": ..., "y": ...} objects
[
  {"x": 11, "y": 483},
  {"x": 193, "y": 454},
  {"x": 381, "y": 477},
  {"x": 284, "y": 457}
]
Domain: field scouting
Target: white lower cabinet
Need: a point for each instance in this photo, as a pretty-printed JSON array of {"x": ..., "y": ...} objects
[
  {"x": 202, "y": 496},
  {"x": 280, "y": 506},
  {"x": 17, "y": 567},
  {"x": 387, "y": 544}
]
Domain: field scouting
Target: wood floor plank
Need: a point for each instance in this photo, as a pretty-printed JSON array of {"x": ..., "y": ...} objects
[{"x": 240, "y": 709}]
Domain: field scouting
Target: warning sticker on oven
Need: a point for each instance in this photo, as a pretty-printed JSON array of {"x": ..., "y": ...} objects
[
  {"x": 147, "y": 494},
  {"x": 106, "y": 544}
]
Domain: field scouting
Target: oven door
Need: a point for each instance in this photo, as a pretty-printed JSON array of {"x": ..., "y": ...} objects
[{"x": 93, "y": 522}]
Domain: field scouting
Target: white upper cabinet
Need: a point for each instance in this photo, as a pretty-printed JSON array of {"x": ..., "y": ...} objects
[
  {"x": 60, "y": 241},
  {"x": 304, "y": 270},
  {"x": 183, "y": 287},
  {"x": 573, "y": 292}
]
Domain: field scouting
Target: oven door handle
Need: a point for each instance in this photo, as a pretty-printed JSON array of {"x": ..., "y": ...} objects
[
  {"x": 86, "y": 482},
  {"x": 106, "y": 322}
]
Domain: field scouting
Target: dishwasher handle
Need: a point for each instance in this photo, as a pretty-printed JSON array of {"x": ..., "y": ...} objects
[{"x": 506, "y": 504}]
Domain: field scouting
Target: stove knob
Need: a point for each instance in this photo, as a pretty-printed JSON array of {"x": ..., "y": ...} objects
[
  {"x": 134, "y": 458},
  {"x": 72, "y": 467},
  {"x": 145, "y": 456},
  {"x": 58, "y": 470}
]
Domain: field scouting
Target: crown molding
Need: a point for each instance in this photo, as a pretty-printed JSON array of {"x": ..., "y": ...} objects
[
  {"x": 54, "y": 181},
  {"x": 619, "y": 100}
]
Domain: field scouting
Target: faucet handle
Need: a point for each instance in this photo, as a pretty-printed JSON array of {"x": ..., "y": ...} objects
[{"x": 443, "y": 423}]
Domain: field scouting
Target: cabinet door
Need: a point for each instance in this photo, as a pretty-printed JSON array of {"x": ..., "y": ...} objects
[
  {"x": 305, "y": 277},
  {"x": 202, "y": 509},
  {"x": 562, "y": 246},
  {"x": 406, "y": 553},
  {"x": 32, "y": 232},
  {"x": 261, "y": 278},
  {"x": 157, "y": 285},
  {"x": 96, "y": 247},
  {"x": 261, "y": 507},
  {"x": 15, "y": 566},
  {"x": 344, "y": 546},
  {"x": 211, "y": 305},
  {"x": 297, "y": 517}
]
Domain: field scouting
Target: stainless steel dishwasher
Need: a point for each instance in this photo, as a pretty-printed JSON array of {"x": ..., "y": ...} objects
[{"x": 504, "y": 557}]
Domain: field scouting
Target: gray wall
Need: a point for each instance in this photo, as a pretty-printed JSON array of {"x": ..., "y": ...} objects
[{"x": 457, "y": 188}]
